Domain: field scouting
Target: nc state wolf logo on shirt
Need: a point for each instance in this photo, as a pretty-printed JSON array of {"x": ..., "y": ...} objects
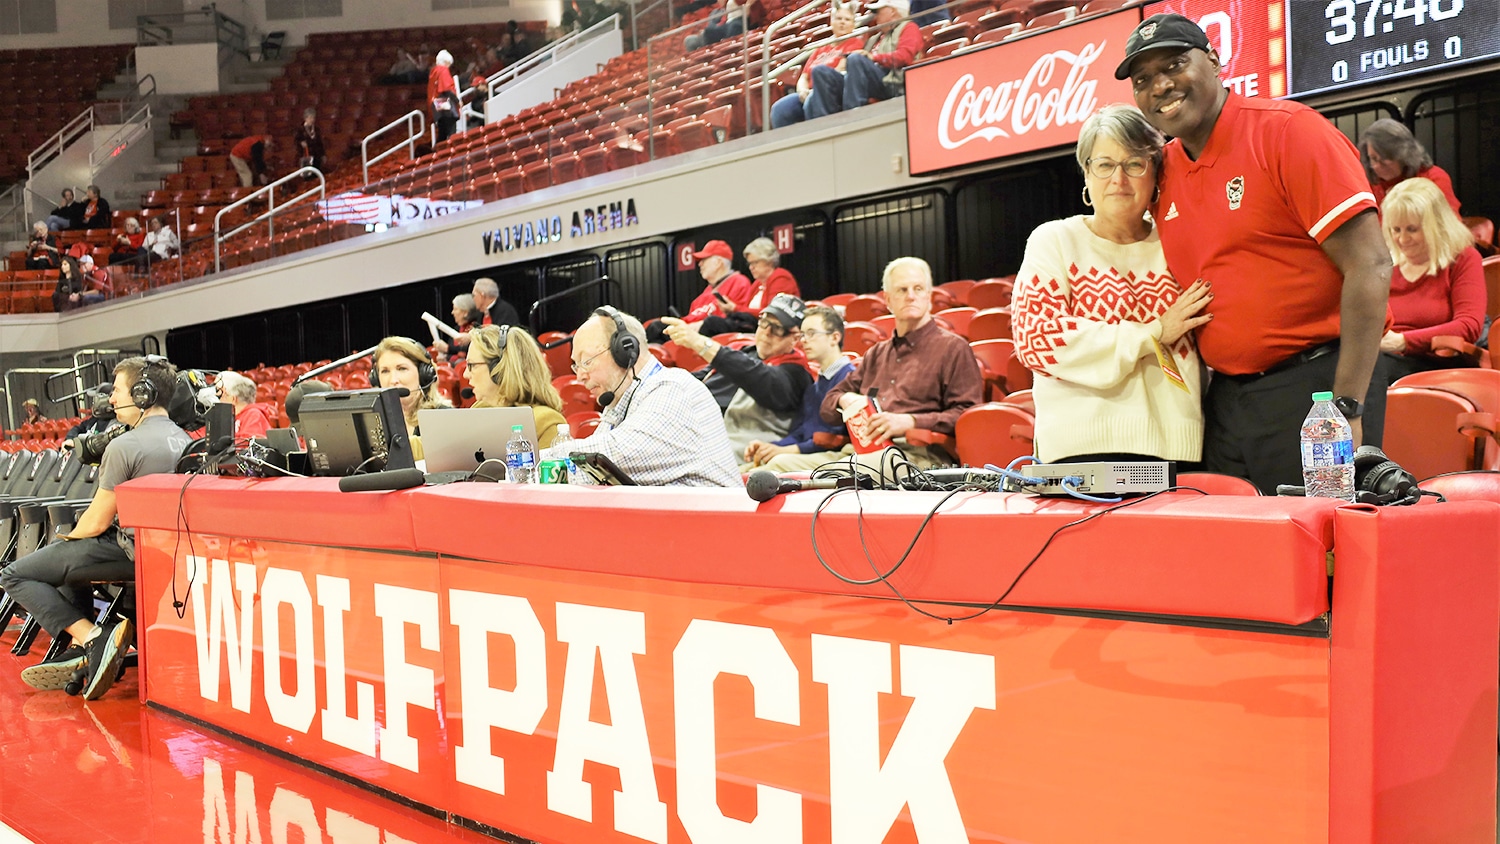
[{"x": 1235, "y": 189}]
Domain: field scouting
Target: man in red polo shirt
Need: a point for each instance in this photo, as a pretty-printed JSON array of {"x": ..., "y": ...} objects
[{"x": 1267, "y": 202}]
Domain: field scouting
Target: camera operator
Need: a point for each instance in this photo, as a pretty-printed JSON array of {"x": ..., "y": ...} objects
[{"x": 52, "y": 583}]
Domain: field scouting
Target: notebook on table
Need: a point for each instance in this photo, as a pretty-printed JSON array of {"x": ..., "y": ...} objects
[{"x": 460, "y": 440}]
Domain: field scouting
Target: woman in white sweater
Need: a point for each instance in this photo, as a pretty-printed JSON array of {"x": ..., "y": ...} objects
[{"x": 1099, "y": 318}]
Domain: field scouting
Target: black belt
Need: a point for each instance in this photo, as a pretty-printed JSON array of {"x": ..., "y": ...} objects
[{"x": 1302, "y": 357}]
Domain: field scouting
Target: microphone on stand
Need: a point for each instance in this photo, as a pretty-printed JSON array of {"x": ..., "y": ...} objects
[
  {"x": 563, "y": 341},
  {"x": 764, "y": 485}
]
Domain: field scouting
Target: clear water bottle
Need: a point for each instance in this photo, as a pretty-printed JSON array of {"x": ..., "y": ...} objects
[
  {"x": 1327, "y": 451},
  {"x": 556, "y": 467},
  {"x": 520, "y": 462}
]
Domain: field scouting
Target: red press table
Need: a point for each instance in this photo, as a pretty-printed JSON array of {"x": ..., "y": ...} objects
[{"x": 671, "y": 665}]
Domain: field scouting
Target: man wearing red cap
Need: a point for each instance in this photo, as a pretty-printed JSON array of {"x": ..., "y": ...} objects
[{"x": 728, "y": 292}]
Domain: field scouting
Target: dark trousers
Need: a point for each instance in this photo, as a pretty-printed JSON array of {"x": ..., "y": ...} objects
[
  {"x": 52, "y": 583},
  {"x": 1253, "y": 424}
]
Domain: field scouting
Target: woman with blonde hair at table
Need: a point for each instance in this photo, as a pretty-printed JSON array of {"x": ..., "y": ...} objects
[
  {"x": 401, "y": 362},
  {"x": 505, "y": 368},
  {"x": 1437, "y": 284},
  {"x": 1099, "y": 318}
]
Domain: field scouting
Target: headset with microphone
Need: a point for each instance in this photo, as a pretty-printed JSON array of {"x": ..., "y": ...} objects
[
  {"x": 426, "y": 372},
  {"x": 624, "y": 350},
  {"x": 143, "y": 393},
  {"x": 1380, "y": 480},
  {"x": 468, "y": 392}
]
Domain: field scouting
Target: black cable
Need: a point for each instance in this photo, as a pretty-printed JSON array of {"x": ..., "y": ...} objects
[{"x": 884, "y": 578}]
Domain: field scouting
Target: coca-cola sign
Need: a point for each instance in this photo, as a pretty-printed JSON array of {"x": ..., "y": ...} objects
[{"x": 1016, "y": 96}]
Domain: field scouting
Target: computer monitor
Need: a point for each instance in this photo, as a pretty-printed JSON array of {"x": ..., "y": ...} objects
[{"x": 354, "y": 432}]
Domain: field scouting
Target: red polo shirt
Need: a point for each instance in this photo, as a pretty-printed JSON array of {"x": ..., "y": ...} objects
[{"x": 1273, "y": 182}]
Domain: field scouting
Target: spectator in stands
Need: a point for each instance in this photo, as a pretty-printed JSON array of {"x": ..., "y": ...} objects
[
  {"x": 766, "y": 382},
  {"x": 96, "y": 213},
  {"x": 792, "y": 107},
  {"x": 41, "y": 250},
  {"x": 68, "y": 294},
  {"x": 725, "y": 21},
  {"x": 493, "y": 310},
  {"x": 520, "y": 45},
  {"x": 1266, "y": 201},
  {"x": 44, "y": 582},
  {"x": 161, "y": 242},
  {"x": 249, "y": 159},
  {"x": 877, "y": 71},
  {"x": 401, "y": 362},
  {"x": 926, "y": 376},
  {"x": 505, "y": 368},
  {"x": 442, "y": 93},
  {"x": 32, "y": 412},
  {"x": 97, "y": 285},
  {"x": 479, "y": 97},
  {"x": 466, "y": 317},
  {"x": 309, "y": 141},
  {"x": 581, "y": 14},
  {"x": 728, "y": 292},
  {"x": 406, "y": 71},
  {"x": 1095, "y": 303},
  {"x": 251, "y": 418},
  {"x": 68, "y": 215},
  {"x": 768, "y": 279},
  {"x": 1391, "y": 155},
  {"x": 660, "y": 425},
  {"x": 1437, "y": 287},
  {"x": 130, "y": 246},
  {"x": 822, "y": 341},
  {"x": 294, "y": 396}
]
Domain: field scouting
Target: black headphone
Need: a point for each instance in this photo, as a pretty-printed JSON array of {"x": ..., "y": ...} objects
[
  {"x": 1380, "y": 480},
  {"x": 499, "y": 354},
  {"x": 623, "y": 347},
  {"x": 143, "y": 393},
  {"x": 426, "y": 372}
]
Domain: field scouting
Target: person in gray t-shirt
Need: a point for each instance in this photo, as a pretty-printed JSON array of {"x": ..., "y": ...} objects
[{"x": 53, "y": 583}]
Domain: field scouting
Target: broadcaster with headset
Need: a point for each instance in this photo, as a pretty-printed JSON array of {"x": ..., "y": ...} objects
[
  {"x": 660, "y": 426},
  {"x": 53, "y": 583}
]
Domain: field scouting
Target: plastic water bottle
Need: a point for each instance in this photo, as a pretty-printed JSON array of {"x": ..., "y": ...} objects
[
  {"x": 1327, "y": 451},
  {"x": 519, "y": 460},
  {"x": 556, "y": 467}
]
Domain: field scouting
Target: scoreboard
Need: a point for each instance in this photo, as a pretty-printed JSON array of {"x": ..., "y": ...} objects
[{"x": 1280, "y": 48}]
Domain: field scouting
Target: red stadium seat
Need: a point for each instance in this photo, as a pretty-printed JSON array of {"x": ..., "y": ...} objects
[
  {"x": 990, "y": 324},
  {"x": 1434, "y": 431},
  {"x": 994, "y": 363},
  {"x": 1214, "y": 483},
  {"x": 990, "y": 293},
  {"x": 994, "y": 433},
  {"x": 958, "y": 319},
  {"x": 864, "y": 308},
  {"x": 1464, "y": 486},
  {"x": 860, "y": 336}
]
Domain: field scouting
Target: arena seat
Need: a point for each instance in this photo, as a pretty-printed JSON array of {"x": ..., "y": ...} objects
[
  {"x": 865, "y": 308},
  {"x": 994, "y": 433},
  {"x": 1214, "y": 483},
  {"x": 860, "y": 336},
  {"x": 994, "y": 358},
  {"x": 990, "y": 324},
  {"x": 989, "y": 293},
  {"x": 1432, "y": 431},
  {"x": 1482, "y": 485}
]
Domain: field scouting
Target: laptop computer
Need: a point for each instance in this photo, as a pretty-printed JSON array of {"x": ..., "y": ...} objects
[{"x": 459, "y": 440}]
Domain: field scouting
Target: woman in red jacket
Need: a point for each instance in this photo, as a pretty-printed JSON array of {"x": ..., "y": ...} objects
[
  {"x": 767, "y": 276},
  {"x": 1437, "y": 286},
  {"x": 442, "y": 92}
]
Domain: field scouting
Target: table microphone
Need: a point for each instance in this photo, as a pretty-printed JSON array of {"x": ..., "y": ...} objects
[
  {"x": 392, "y": 479},
  {"x": 764, "y": 485}
]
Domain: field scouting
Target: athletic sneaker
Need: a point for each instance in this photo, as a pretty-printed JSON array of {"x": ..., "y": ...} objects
[
  {"x": 106, "y": 652},
  {"x": 54, "y": 674}
]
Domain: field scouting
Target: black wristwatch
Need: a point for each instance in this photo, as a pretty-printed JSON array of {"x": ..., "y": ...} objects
[{"x": 1351, "y": 408}]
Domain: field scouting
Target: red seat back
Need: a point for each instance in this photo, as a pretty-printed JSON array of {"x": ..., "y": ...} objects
[
  {"x": 994, "y": 433},
  {"x": 1422, "y": 431}
]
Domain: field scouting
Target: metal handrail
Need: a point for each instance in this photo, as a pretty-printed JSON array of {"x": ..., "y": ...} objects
[
  {"x": 271, "y": 207},
  {"x": 563, "y": 294},
  {"x": 54, "y": 146},
  {"x": 113, "y": 145},
  {"x": 229, "y": 34},
  {"x": 410, "y": 141}
]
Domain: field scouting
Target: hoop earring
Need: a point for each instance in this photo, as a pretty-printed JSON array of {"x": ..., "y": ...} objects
[
  {"x": 1156, "y": 195},
  {"x": 1086, "y": 200}
]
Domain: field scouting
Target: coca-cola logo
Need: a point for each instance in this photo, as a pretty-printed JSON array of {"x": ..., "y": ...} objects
[{"x": 1033, "y": 102}]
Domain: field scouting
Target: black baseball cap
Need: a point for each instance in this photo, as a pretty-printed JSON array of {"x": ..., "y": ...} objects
[{"x": 1159, "y": 32}]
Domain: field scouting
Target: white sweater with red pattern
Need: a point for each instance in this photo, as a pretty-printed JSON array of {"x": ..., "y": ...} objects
[{"x": 1084, "y": 315}]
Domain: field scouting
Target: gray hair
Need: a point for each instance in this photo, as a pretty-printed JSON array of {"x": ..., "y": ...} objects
[
  {"x": 762, "y": 249},
  {"x": 907, "y": 263},
  {"x": 487, "y": 287},
  {"x": 1392, "y": 141},
  {"x": 1126, "y": 126},
  {"x": 236, "y": 385},
  {"x": 464, "y": 302},
  {"x": 39, "y": 226}
]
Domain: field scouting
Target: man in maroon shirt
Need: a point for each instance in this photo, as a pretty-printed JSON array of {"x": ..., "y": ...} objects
[{"x": 922, "y": 377}]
